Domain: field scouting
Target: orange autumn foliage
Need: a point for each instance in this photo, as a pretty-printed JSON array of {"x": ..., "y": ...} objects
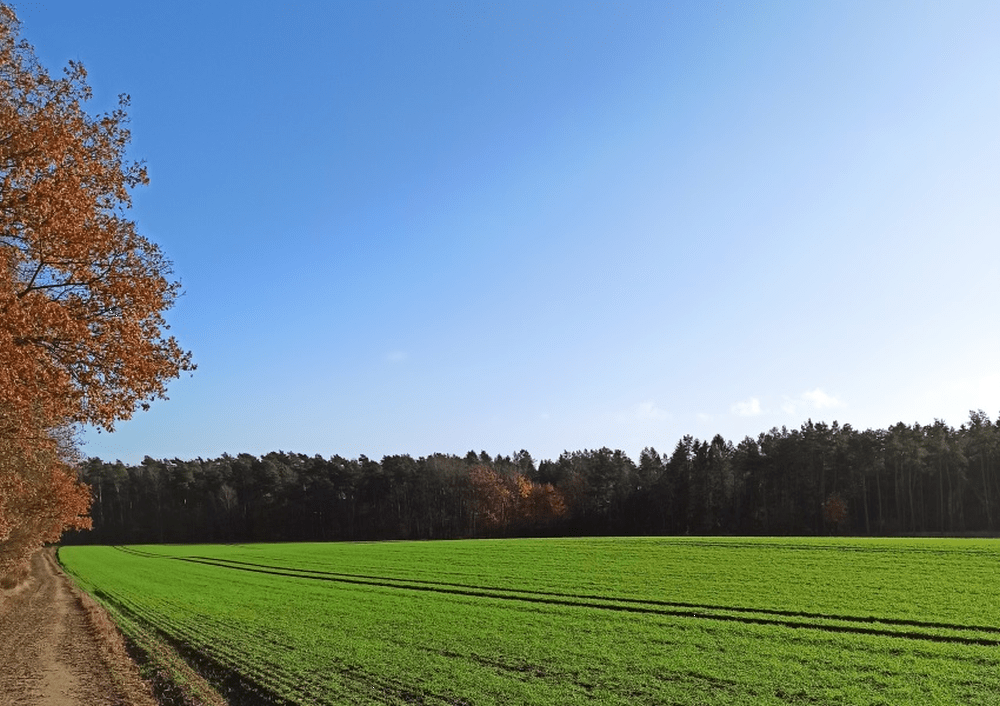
[
  {"x": 40, "y": 497},
  {"x": 835, "y": 510},
  {"x": 82, "y": 294},
  {"x": 502, "y": 502}
]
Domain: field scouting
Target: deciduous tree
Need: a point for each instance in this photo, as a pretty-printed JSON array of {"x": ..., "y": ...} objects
[
  {"x": 82, "y": 293},
  {"x": 835, "y": 510}
]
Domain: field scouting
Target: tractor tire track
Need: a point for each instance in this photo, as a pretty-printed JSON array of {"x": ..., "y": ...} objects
[{"x": 858, "y": 625}]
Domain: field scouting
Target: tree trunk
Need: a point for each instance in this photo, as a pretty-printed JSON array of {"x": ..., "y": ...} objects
[
  {"x": 864, "y": 501},
  {"x": 986, "y": 494}
]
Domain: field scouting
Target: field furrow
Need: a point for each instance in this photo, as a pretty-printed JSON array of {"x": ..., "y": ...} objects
[{"x": 608, "y": 621}]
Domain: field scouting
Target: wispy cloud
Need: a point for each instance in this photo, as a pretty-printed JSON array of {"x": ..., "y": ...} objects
[
  {"x": 815, "y": 399},
  {"x": 750, "y": 408},
  {"x": 648, "y": 411},
  {"x": 820, "y": 400},
  {"x": 641, "y": 414}
]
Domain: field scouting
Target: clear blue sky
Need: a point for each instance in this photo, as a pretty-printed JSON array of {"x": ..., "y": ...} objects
[{"x": 417, "y": 227}]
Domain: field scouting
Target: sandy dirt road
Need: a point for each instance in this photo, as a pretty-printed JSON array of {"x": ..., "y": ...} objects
[{"x": 57, "y": 648}]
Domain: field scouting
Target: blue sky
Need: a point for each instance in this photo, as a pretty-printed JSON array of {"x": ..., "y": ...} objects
[{"x": 417, "y": 227}]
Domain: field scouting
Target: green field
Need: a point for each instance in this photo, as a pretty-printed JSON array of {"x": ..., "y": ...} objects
[{"x": 572, "y": 621}]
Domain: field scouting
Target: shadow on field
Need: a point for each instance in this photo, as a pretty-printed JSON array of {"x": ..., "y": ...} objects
[
  {"x": 157, "y": 656},
  {"x": 861, "y": 625}
]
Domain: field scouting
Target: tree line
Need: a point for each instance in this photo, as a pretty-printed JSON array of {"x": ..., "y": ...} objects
[{"x": 815, "y": 480}]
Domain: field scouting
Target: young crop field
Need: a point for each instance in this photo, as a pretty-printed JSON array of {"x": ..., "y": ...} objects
[{"x": 571, "y": 621}]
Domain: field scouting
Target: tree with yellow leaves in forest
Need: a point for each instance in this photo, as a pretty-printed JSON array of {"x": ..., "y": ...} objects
[{"x": 82, "y": 294}]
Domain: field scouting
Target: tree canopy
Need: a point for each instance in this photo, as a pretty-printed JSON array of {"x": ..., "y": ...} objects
[{"x": 83, "y": 339}]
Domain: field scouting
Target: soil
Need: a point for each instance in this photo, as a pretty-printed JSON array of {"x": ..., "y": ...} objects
[{"x": 58, "y": 648}]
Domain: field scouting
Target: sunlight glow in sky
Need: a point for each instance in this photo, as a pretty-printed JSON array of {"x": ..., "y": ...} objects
[{"x": 441, "y": 226}]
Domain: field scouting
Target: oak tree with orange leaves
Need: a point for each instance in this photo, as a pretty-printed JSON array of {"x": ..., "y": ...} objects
[{"x": 83, "y": 339}]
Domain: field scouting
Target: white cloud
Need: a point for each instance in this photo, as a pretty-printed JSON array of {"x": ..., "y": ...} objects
[
  {"x": 648, "y": 411},
  {"x": 820, "y": 400},
  {"x": 750, "y": 408},
  {"x": 642, "y": 414},
  {"x": 810, "y": 400}
]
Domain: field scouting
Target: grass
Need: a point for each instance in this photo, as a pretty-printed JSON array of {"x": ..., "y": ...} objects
[{"x": 595, "y": 621}]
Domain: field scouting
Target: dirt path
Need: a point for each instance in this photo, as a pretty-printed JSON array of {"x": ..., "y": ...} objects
[{"x": 57, "y": 649}]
